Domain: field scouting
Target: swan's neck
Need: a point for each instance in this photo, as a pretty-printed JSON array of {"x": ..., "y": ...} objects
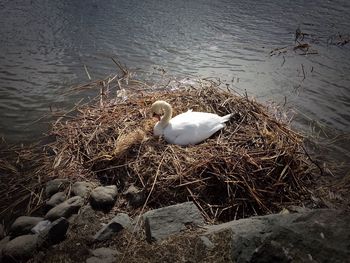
[{"x": 168, "y": 113}]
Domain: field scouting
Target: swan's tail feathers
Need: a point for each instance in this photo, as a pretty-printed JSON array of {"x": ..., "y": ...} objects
[{"x": 226, "y": 117}]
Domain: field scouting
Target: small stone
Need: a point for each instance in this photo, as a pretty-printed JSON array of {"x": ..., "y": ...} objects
[
  {"x": 86, "y": 217},
  {"x": 102, "y": 255},
  {"x": 124, "y": 220},
  {"x": 22, "y": 247},
  {"x": 24, "y": 225},
  {"x": 205, "y": 241},
  {"x": 56, "y": 199},
  {"x": 164, "y": 222},
  {"x": 65, "y": 209},
  {"x": 56, "y": 232},
  {"x": 53, "y": 186},
  {"x": 82, "y": 189},
  {"x": 117, "y": 224},
  {"x": 41, "y": 226},
  {"x": 104, "y": 196},
  {"x": 3, "y": 242},
  {"x": 135, "y": 196}
]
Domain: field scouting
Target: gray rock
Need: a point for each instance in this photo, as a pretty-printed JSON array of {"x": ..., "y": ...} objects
[
  {"x": 124, "y": 220},
  {"x": 205, "y": 241},
  {"x": 65, "y": 209},
  {"x": 56, "y": 199},
  {"x": 86, "y": 217},
  {"x": 3, "y": 242},
  {"x": 297, "y": 209},
  {"x": 117, "y": 224},
  {"x": 135, "y": 196},
  {"x": 54, "y": 186},
  {"x": 41, "y": 226},
  {"x": 104, "y": 196},
  {"x": 164, "y": 222},
  {"x": 320, "y": 235},
  {"x": 82, "y": 189},
  {"x": 24, "y": 225},
  {"x": 102, "y": 255},
  {"x": 55, "y": 233},
  {"x": 22, "y": 247}
]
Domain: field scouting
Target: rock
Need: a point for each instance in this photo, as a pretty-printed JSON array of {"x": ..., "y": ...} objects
[
  {"x": 135, "y": 196},
  {"x": 297, "y": 209},
  {"x": 2, "y": 231},
  {"x": 103, "y": 197},
  {"x": 56, "y": 232},
  {"x": 86, "y": 217},
  {"x": 82, "y": 189},
  {"x": 319, "y": 235},
  {"x": 65, "y": 209},
  {"x": 164, "y": 222},
  {"x": 54, "y": 186},
  {"x": 22, "y": 247},
  {"x": 276, "y": 253},
  {"x": 3, "y": 242},
  {"x": 117, "y": 224},
  {"x": 24, "y": 225},
  {"x": 102, "y": 255},
  {"x": 206, "y": 242},
  {"x": 41, "y": 226},
  {"x": 56, "y": 199}
]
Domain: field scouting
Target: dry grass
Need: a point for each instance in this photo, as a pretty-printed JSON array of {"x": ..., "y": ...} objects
[
  {"x": 21, "y": 190},
  {"x": 254, "y": 166}
]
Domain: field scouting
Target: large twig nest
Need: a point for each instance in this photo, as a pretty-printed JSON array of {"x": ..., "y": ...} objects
[{"x": 255, "y": 165}]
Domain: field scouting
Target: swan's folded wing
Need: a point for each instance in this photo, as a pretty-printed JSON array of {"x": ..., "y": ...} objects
[{"x": 192, "y": 128}]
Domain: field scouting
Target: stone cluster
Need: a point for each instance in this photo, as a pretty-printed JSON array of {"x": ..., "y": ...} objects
[{"x": 296, "y": 234}]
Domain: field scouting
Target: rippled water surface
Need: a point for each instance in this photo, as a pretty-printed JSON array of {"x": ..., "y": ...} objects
[{"x": 44, "y": 46}]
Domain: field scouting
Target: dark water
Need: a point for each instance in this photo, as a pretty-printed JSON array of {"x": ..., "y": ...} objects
[{"x": 44, "y": 46}]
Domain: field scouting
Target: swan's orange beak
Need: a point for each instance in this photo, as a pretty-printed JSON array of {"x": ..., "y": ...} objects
[{"x": 157, "y": 116}]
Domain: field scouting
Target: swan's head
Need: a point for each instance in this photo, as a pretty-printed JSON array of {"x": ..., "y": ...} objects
[{"x": 159, "y": 108}]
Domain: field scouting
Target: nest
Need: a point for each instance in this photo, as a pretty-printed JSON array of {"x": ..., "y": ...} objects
[{"x": 255, "y": 165}]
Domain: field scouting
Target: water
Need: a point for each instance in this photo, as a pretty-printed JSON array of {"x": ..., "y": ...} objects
[{"x": 44, "y": 46}]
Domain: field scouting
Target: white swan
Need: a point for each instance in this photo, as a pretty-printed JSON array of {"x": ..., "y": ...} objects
[{"x": 186, "y": 128}]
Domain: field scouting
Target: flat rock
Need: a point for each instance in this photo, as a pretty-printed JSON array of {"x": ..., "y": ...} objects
[
  {"x": 103, "y": 255},
  {"x": 65, "y": 209},
  {"x": 24, "y": 225},
  {"x": 104, "y": 196},
  {"x": 54, "y": 186},
  {"x": 21, "y": 247},
  {"x": 320, "y": 235},
  {"x": 117, "y": 224},
  {"x": 164, "y": 222},
  {"x": 56, "y": 199},
  {"x": 82, "y": 189},
  {"x": 56, "y": 232}
]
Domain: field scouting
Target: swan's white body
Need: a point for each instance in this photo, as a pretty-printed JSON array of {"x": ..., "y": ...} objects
[{"x": 187, "y": 128}]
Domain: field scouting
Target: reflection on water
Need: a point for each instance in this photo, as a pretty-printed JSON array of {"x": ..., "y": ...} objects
[{"x": 44, "y": 46}]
